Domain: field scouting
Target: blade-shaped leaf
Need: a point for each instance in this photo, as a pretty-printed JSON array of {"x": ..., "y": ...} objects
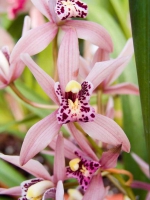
[{"x": 140, "y": 18}]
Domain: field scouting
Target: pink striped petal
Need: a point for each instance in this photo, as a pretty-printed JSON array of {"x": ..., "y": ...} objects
[
  {"x": 59, "y": 191},
  {"x": 45, "y": 81},
  {"x": 100, "y": 55},
  {"x": 34, "y": 41},
  {"x": 38, "y": 137},
  {"x": 69, "y": 148},
  {"x": 14, "y": 191},
  {"x": 50, "y": 193},
  {"x": 37, "y": 17},
  {"x": 84, "y": 68},
  {"x": 68, "y": 58},
  {"x": 59, "y": 160},
  {"x": 33, "y": 167},
  {"x": 110, "y": 112},
  {"x": 142, "y": 164},
  {"x": 26, "y": 25},
  {"x": 96, "y": 190},
  {"x": 128, "y": 50},
  {"x": 106, "y": 130},
  {"x": 122, "y": 88},
  {"x": 82, "y": 141},
  {"x": 109, "y": 158},
  {"x": 52, "y": 4},
  {"x": 101, "y": 70},
  {"x": 140, "y": 185},
  {"x": 92, "y": 32},
  {"x": 6, "y": 39},
  {"x": 42, "y": 6}
]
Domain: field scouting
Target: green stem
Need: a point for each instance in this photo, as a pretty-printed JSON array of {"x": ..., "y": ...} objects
[{"x": 34, "y": 104}]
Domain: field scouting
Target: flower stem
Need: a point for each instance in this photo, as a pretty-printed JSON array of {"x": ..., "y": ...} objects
[
  {"x": 124, "y": 172},
  {"x": 34, "y": 104}
]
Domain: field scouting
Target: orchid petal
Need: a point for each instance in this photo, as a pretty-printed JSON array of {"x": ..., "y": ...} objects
[
  {"x": 14, "y": 191},
  {"x": 60, "y": 191},
  {"x": 42, "y": 6},
  {"x": 122, "y": 88},
  {"x": 37, "y": 17},
  {"x": 69, "y": 148},
  {"x": 45, "y": 81},
  {"x": 68, "y": 58},
  {"x": 140, "y": 185},
  {"x": 2, "y": 85},
  {"x": 96, "y": 189},
  {"x": 109, "y": 158},
  {"x": 38, "y": 137},
  {"x": 33, "y": 167},
  {"x": 92, "y": 32},
  {"x": 110, "y": 112},
  {"x": 101, "y": 70},
  {"x": 54, "y": 17},
  {"x": 4, "y": 65},
  {"x": 6, "y": 39},
  {"x": 84, "y": 68},
  {"x": 100, "y": 55},
  {"x": 34, "y": 41},
  {"x": 82, "y": 142},
  {"x": 148, "y": 196},
  {"x": 128, "y": 50},
  {"x": 50, "y": 193},
  {"x": 142, "y": 164},
  {"x": 106, "y": 130},
  {"x": 59, "y": 161},
  {"x": 26, "y": 25},
  {"x": 3, "y": 78}
]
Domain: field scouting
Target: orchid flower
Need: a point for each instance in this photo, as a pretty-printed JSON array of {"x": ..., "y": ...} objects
[
  {"x": 44, "y": 186},
  {"x": 85, "y": 165},
  {"x": 106, "y": 87},
  {"x": 145, "y": 169},
  {"x": 39, "y": 38},
  {"x": 73, "y": 100},
  {"x": 9, "y": 71}
]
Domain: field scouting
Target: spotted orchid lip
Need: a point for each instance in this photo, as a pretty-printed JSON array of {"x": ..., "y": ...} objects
[
  {"x": 85, "y": 171},
  {"x": 71, "y": 8},
  {"x": 75, "y": 108}
]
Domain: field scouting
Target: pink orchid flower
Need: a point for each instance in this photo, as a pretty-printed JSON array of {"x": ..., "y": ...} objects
[
  {"x": 44, "y": 186},
  {"x": 145, "y": 169},
  {"x": 39, "y": 38},
  {"x": 73, "y": 100},
  {"x": 84, "y": 164},
  {"x": 10, "y": 71},
  {"x": 106, "y": 85}
]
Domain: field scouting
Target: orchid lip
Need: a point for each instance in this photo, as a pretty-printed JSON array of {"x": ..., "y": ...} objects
[
  {"x": 83, "y": 170},
  {"x": 75, "y": 106},
  {"x": 70, "y": 8}
]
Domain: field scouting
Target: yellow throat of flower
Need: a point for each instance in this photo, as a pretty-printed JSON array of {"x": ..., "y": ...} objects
[
  {"x": 74, "y": 164},
  {"x": 67, "y": 3},
  {"x": 36, "y": 191},
  {"x": 73, "y": 86}
]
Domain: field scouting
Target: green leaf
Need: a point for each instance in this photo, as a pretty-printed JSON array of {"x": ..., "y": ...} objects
[
  {"x": 10, "y": 176},
  {"x": 140, "y": 19}
]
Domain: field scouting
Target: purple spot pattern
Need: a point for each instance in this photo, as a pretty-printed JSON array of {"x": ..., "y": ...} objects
[
  {"x": 84, "y": 113},
  {"x": 26, "y": 184},
  {"x": 91, "y": 166},
  {"x": 77, "y": 9}
]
